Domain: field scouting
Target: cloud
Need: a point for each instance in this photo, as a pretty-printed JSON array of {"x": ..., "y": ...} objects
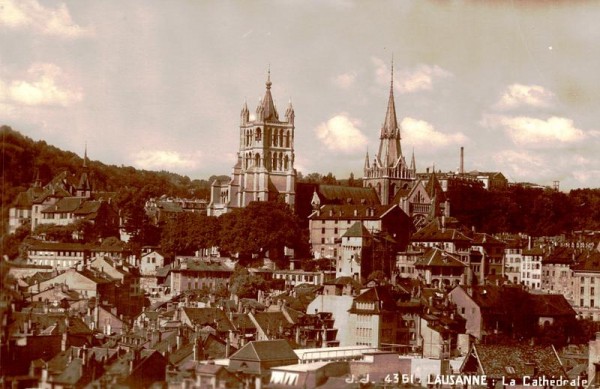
[
  {"x": 30, "y": 14},
  {"x": 420, "y": 78},
  {"x": 340, "y": 133},
  {"x": 421, "y": 133},
  {"x": 522, "y": 165},
  {"x": 46, "y": 85},
  {"x": 533, "y": 132},
  {"x": 164, "y": 160},
  {"x": 345, "y": 80},
  {"x": 518, "y": 95}
]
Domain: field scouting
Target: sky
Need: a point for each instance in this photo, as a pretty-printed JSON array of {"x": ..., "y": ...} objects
[{"x": 159, "y": 85}]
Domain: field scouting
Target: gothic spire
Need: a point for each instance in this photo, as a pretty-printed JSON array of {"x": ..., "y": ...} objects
[
  {"x": 390, "y": 151},
  {"x": 269, "y": 111},
  {"x": 390, "y": 124},
  {"x": 367, "y": 165}
]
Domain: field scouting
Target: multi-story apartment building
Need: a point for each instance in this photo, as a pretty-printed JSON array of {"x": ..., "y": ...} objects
[
  {"x": 513, "y": 256},
  {"x": 328, "y": 224},
  {"x": 374, "y": 318},
  {"x": 531, "y": 268},
  {"x": 60, "y": 256},
  {"x": 586, "y": 286},
  {"x": 492, "y": 250},
  {"x": 556, "y": 271}
]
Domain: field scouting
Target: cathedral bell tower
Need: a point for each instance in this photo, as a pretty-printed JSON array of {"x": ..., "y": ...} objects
[
  {"x": 388, "y": 172},
  {"x": 265, "y": 165}
]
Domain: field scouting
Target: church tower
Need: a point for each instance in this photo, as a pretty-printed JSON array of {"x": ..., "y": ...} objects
[
  {"x": 265, "y": 162},
  {"x": 388, "y": 172},
  {"x": 84, "y": 189}
]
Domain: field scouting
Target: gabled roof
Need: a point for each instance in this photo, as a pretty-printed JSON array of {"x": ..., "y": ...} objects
[
  {"x": 271, "y": 322},
  {"x": 486, "y": 239},
  {"x": 434, "y": 232},
  {"x": 439, "y": 258},
  {"x": 381, "y": 298},
  {"x": 214, "y": 317},
  {"x": 266, "y": 350},
  {"x": 352, "y": 212},
  {"x": 550, "y": 305},
  {"x": 338, "y": 194},
  {"x": 64, "y": 205},
  {"x": 241, "y": 322}
]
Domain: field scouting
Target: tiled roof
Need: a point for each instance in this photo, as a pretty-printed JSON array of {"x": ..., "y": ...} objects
[
  {"x": 433, "y": 232},
  {"x": 560, "y": 255},
  {"x": 380, "y": 296},
  {"x": 589, "y": 262},
  {"x": 53, "y": 246},
  {"x": 495, "y": 359},
  {"x": 66, "y": 204},
  {"x": 270, "y": 322},
  {"x": 486, "y": 239},
  {"x": 357, "y": 230},
  {"x": 337, "y": 194},
  {"x": 550, "y": 305},
  {"x": 209, "y": 316},
  {"x": 352, "y": 212},
  {"x": 241, "y": 321},
  {"x": 266, "y": 350},
  {"x": 438, "y": 257}
]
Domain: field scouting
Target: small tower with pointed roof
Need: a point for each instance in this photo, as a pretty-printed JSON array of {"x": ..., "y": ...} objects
[
  {"x": 389, "y": 171},
  {"x": 265, "y": 165},
  {"x": 84, "y": 189}
]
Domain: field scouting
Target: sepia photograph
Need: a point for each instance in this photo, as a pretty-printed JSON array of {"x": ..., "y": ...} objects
[{"x": 278, "y": 194}]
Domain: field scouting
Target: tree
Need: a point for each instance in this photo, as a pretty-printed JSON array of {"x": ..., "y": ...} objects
[
  {"x": 189, "y": 232},
  {"x": 259, "y": 228},
  {"x": 246, "y": 285}
]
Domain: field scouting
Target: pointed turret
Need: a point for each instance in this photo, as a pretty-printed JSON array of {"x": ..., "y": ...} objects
[
  {"x": 289, "y": 113},
  {"x": 367, "y": 164},
  {"x": 245, "y": 114},
  {"x": 268, "y": 107},
  {"x": 413, "y": 164},
  {"x": 84, "y": 189}
]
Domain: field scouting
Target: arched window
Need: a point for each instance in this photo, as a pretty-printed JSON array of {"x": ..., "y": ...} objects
[
  {"x": 281, "y": 137},
  {"x": 274, "y": 161},
  {"x": 257, "y": 160},
  {"x": 285, "y": 162},
  {"x": 258, "y": 134},
  {"x": 275, "y": 138},
  {"x": 287, "y": 139}
]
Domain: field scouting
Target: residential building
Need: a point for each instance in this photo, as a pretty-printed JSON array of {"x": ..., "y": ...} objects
[
  {"x": 60, "y": 256},
  {"x": 556, "y": 271},
  {"x": 387, "y": 224},
  {"x": 374, "y": 319},
  {"x": 586, "y": 286},
  {"x": 440, "y": 269},
  {"x": 531, "y": 268}
]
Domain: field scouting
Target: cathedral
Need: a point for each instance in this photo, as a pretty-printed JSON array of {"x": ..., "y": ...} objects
[
  {"x": 389, "y": 172},
  {"x": 265, "y": 162},
  {"x": 265, "y": 170}
]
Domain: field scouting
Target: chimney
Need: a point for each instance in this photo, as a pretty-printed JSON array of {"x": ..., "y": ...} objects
[
  {"x": 63, "y": 341},
  {"x": 462, "y": 160}
]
